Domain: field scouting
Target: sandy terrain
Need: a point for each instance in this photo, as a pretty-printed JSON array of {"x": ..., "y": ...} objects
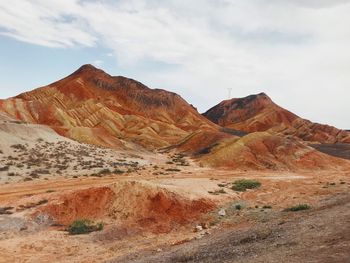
[{"x": 148, "y": 215}]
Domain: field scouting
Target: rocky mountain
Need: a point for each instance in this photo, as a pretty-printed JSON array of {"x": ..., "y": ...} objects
[
  {"x": 93, "y": 107},
  {"x": 259, "y": 113}
]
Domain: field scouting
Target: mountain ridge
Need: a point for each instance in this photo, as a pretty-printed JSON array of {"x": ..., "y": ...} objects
[
  {"x": 118, "y": 110},
  {"x": 258, "y": 113}
]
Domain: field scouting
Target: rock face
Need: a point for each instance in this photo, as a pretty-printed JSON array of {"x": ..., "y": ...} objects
[
  {"x": 259, "y": 113},
  {"x": 93, "y": 107}
]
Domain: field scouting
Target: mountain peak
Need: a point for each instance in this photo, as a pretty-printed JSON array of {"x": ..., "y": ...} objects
[{"x": 88, "y": 69}]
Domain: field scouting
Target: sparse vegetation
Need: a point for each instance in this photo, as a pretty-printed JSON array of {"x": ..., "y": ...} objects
[
  {"x": 299, "y": 207},
  {"x": 5, "y": 168},
  {"x": 238, "y": 207},
  {"x": 244, "y": 184},
  {"x": 118, "y": 171},
  {"x": 84, "y": 226},
  {"x": 217, "y": 192},
  {"x": 104, "y": 171},
  {"x": 5, "y": 210},
  {"x": 267, "y": 207},
  {"x": 173, "y": 170}
]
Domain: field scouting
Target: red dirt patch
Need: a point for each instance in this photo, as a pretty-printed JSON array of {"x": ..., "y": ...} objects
[
  {"x": 135, "y": 204},
  {"x": 90, "y": 203}
]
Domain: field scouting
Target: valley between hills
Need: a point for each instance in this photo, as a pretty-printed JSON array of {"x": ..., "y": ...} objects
[{"x": 145, "y": 177}]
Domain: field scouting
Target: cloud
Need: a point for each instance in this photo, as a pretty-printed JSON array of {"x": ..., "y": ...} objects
[{"x": 297, "y": 51}]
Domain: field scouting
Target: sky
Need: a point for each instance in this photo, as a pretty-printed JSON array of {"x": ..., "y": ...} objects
[{"x": 296, "y": 51}]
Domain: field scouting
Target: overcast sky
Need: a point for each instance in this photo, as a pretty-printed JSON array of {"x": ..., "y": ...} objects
[{"x": 296, "y": 51}]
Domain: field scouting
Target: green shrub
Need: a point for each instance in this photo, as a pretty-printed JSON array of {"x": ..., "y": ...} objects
[
  {"x": 244, "y": 184},
  {"x": 267, "y": 207},
  {"x": 298, "y": 207},
  {"x": 83, "y": 226},
  {"x": 238, "y": 207}
]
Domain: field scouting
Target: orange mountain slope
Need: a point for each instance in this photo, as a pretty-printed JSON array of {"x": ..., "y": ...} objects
[
  {"x": 263, "y": 150},
  {"x": 93, "y": 107},
  {"x": 260, "y": 113}
]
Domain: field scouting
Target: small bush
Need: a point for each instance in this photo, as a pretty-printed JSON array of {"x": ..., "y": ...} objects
[
  {"x": 238, "y": 207},
  {"x": 118, "y": 171},
  {"x": 244, "y": 184},
  {"x": 173, "y": 170},
  {"x": 5, "y": 168},
  {"x": 267, "y": 207},
  {"x": 298, "y": 207},
  {"x": 104, "y": 171},
  {"x": 83, "y": 226},
  {"x": 217, "y": 192}
]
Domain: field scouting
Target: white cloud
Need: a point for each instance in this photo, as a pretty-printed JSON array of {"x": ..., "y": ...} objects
[{"x": 296, "y": 51}]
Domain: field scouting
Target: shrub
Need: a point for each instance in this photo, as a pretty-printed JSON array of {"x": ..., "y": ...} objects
[
  {"x": 244, "y": 184},
  {"x": 217, "y": 192},
  {"x": 173, "y": 170},
  {"x": 238, "y": 207},
  {"x": 83, "y": 226},
  {"x": 5, "y": 168},
  {"x": 105, "y": 171},
  {"x": 298, "y": 207},
  {"x": 118, "y": 171},
  {"x": 267, "y": 207}
]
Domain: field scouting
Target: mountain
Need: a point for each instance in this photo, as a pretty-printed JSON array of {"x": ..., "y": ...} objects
[
  {"x": 263, "y": 150},
  {"x": 259, "y": 113},
  {"x": 93, "y": 107},
  {"x": 90, "y": 106}
]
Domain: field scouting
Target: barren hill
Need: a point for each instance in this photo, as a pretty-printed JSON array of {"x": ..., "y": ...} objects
[
  {"x": 259, "y": 113},
  {"x": 93, "y": 107}
]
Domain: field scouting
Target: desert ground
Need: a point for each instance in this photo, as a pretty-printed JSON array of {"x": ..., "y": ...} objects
[{"x": 165, "y": 211}]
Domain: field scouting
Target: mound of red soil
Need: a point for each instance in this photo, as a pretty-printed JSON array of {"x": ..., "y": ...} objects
[
  {"x": 92, "y": 203},
  {"x": 135, "y": 204}
]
